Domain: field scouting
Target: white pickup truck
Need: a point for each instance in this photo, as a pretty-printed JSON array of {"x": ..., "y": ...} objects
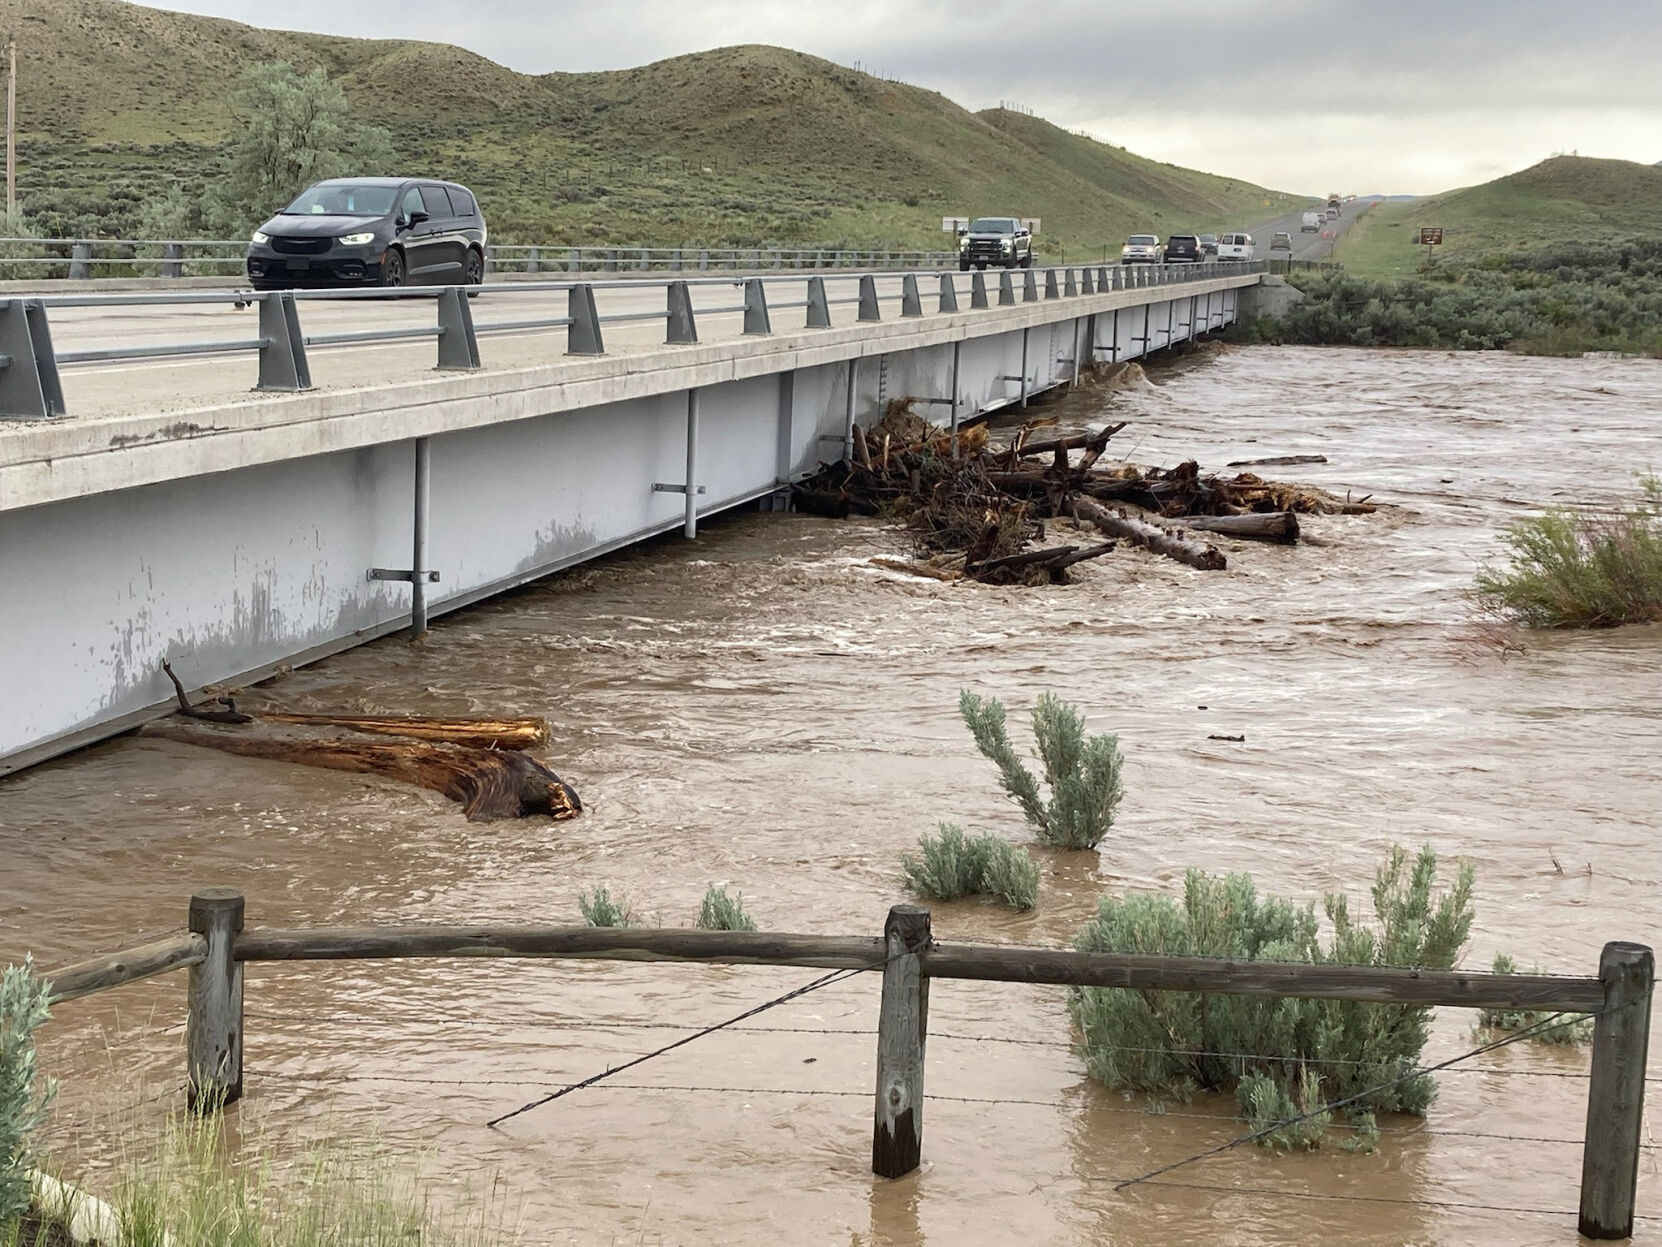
[{"x": 1311, "y": 223}]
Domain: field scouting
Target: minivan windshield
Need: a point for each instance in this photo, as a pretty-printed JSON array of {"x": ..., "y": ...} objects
[
  {"x": 343, "y": 199},
  {"x": 1141, "y": 240},
  {"x": 993, "y": 225}
]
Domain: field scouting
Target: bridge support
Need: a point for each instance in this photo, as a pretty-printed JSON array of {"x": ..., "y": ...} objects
[
  {"x": 848, "y": 415},
  {"x": 690, "y": 523},
  {"x": 418, "y": 543},
  {"x": 952, "y": 419},
  {"x": 1025, "y": 335}
]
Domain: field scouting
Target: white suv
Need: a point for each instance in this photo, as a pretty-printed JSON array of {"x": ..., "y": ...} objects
[{"x": 1235, "y": 247}]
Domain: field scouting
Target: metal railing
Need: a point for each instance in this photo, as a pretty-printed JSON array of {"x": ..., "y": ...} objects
[
  {"x": 1285, "y": 265},
  {"x": 77, "y": 258},
  {"x": 31, "y": 388},
  {"x": 216, "y": 947}
]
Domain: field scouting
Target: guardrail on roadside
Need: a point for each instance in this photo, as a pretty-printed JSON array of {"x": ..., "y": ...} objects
[
  {"x": 30, "y": 386},
  {"x": 78, "y": 258},
  {"x": 216, "y": 947}
]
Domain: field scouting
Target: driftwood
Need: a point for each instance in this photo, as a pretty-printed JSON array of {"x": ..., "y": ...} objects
[
  {"x": 1254, "y": 525},
  {"x": 1279, "y": 461},
  {"x": 1174, "y": 545},
  {"x": 227, "y": 715},
  {"x": 1054, "y": 560},
  {"x": 487, "y": 783},
  {"x": 475, "y": 733}
]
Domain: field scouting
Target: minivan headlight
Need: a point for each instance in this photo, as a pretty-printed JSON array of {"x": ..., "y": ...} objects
[
  {"x": 355, "y": 240},
  {"x": 260, "y": 238}
]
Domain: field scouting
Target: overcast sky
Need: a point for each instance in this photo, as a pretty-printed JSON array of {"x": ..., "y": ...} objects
[{"x": 1396, "y": 96}]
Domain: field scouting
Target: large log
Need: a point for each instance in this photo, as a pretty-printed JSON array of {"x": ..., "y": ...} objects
[
  {"x": 487, "y": 783},
  {"x": 1174, "y": 545},
  {"x": 475, "y": 733},
  {"x": 1254, "y": 525}
]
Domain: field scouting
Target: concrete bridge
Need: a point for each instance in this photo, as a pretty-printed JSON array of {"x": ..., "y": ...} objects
[{"x": 239, "y": 482}]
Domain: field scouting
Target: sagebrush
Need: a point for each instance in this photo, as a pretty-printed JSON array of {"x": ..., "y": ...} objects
[
  {"x": 1566, "y": 1031},
  {"x": 720, "y": 912},
  {"x": 953, "y": 864},
  {"x": 1082, "y": 773},
  {"x": 1581, "y": 568},
  {"x": 24, "y": 1094},
  {"x": 1281, "y": 1058},
  {"x": 600, "y": 910}
]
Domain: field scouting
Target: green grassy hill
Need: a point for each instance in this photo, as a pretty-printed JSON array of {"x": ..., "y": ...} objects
[
  {"x": 1567, "y": 199},
  {"x": 738, "y": 146}
]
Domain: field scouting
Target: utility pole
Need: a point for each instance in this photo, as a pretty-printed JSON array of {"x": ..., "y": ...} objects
[{"x": 11, "y": 127}]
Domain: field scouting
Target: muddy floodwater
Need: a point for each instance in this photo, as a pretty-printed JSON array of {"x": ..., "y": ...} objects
[{"x": 764, "y": 708}]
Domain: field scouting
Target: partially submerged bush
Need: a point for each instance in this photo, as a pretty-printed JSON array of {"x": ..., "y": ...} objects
[
  {"x": 1582, "y": 569},
  {"x": 1567, "y": 1031},
  {"x": 954, "y": 865},
  {"x": 600, "y": 910},
  {"x": 1083, "y": 773},
  {"x": 24, "y": 1095},
  {"x": 720, "y": 912},
  {"x": 1282, "y": 1057}
]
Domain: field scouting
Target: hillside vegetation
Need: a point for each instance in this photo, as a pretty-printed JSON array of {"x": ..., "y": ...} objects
[
  {"x": 1565, "y": 201},
  {"x": 737, "y": 146}
]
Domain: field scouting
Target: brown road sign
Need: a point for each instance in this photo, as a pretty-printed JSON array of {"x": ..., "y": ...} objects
[{"x": 1431, "y": 235}]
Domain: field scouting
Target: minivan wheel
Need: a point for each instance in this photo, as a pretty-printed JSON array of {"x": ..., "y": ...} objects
[
  {"x": 392, "y": 269},
  {"x": 474, "y": 271}
]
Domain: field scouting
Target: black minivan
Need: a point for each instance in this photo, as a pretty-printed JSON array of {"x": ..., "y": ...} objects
[{"x": 372, "y": 232}]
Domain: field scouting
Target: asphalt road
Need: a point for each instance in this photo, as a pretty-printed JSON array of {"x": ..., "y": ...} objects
[{"x": 1316, "y": 246}]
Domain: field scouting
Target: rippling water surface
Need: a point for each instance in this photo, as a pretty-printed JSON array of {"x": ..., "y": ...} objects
[{"x": 762, "y": 707}]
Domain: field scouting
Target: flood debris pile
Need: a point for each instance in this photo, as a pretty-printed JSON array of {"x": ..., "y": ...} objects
[
  {"x": 481, "y": 764},
  {"x": 978, "y": 511}
]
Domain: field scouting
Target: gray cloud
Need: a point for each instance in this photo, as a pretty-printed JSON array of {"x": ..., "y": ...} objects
[{"x": 1413, "y": 95}]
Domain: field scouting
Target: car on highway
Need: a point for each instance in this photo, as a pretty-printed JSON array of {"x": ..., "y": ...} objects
[
  {"x": 1209, "y": 244},
  {"x": 1142, "y": 249},
  {"x": 1281, "y": 242},
  {"x": 999, "y": 240},
  {"x": 1235, "y": 247},
  {"x": 372, "y": 232},
  {"x": 1333, "y": 212},
  {"x": 1183, "y": 249},
  {"x": 1310, "y": 223}
]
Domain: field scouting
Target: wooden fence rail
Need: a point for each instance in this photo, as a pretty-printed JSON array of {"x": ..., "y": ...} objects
[{"x": 216, "y": 948}]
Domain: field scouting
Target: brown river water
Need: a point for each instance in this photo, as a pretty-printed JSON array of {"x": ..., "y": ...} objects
[{"x": 763, "y": 708}]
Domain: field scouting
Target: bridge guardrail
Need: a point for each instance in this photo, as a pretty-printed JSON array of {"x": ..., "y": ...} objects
[
  {"x": 30, "y": 386},
  {"x": 76, "y": 258}
]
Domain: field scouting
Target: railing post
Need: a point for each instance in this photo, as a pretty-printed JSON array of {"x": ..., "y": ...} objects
[
  {"x": 80, "y": 261},
  {"x": 213, "y": 1024},
  {"x": 533, "y": 260},
  {"x": 1006, "y": 288},
  {"x": 949, "y": 294},
  {"x": 819, "y": 311},
  {"x": 282, "y": 347},
  {"x": 1070, "y": 287},
  {"x": 1030, "y": 285},
  {"x": 868, "y": 298},
  {"x": 1616, "y": 1092},
  {"x": 583, "y": 334},
  {"x": 756, "y": 320},
  {"x": 1052, "y": 291},
  {"x": 910, "y": 303},
  {"x": 902, "y": 1032},
  {"x": 682, "y": 327},
  {"x": 173, "y": 255},
  {"x": 29, "y": 385},
  {"x": 978, "y": 289},
  {"x": 458, "y": 344}
]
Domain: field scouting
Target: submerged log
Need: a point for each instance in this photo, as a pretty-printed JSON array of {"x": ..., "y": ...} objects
[
  {"x": 1174, "y": 545},
  {"x": 487, "y": 783},
  {"x": 1279, "y": 526},
  {"x": 474, "y": 733}
]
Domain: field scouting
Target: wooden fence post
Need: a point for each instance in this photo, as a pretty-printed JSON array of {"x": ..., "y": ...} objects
[
  {"x": 213, "y": 1027},
  {"x": 902, "y": 1028},
  {"x": 1616, "y": 1092}
]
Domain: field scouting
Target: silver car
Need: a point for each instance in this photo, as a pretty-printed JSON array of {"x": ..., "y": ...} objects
[{"x": 1142, "y": 249}]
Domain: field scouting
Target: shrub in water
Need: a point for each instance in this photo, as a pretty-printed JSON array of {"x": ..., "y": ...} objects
[
  {"x": 600, "y": 910},
  {"x": 1572, "y": 1030},
  {"x": 1280, "y": 1057},
  {"x": 721, "y": 912},
  {"x": 24, "y": 1096},
  {"x": 954, "y": 865},
  {"x": 1083, "y": 773},
  {"x": 1582, "y": 569}
]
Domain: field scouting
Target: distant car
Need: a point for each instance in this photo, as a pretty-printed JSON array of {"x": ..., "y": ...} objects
[
  {"x": 1000, "y": 240},
  {"x": 1310, "y": 223},
  {"x": 1209, "y": 244},
  {"x": 1332, "y": 213},
  {"x": 1281, "y": 242},
  {"x": 1141, "y": 249},
  {"x": 1236, "y": 247},
  {"x": 372, "y": 232},
  {"x": 1183, "y": 249}
]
